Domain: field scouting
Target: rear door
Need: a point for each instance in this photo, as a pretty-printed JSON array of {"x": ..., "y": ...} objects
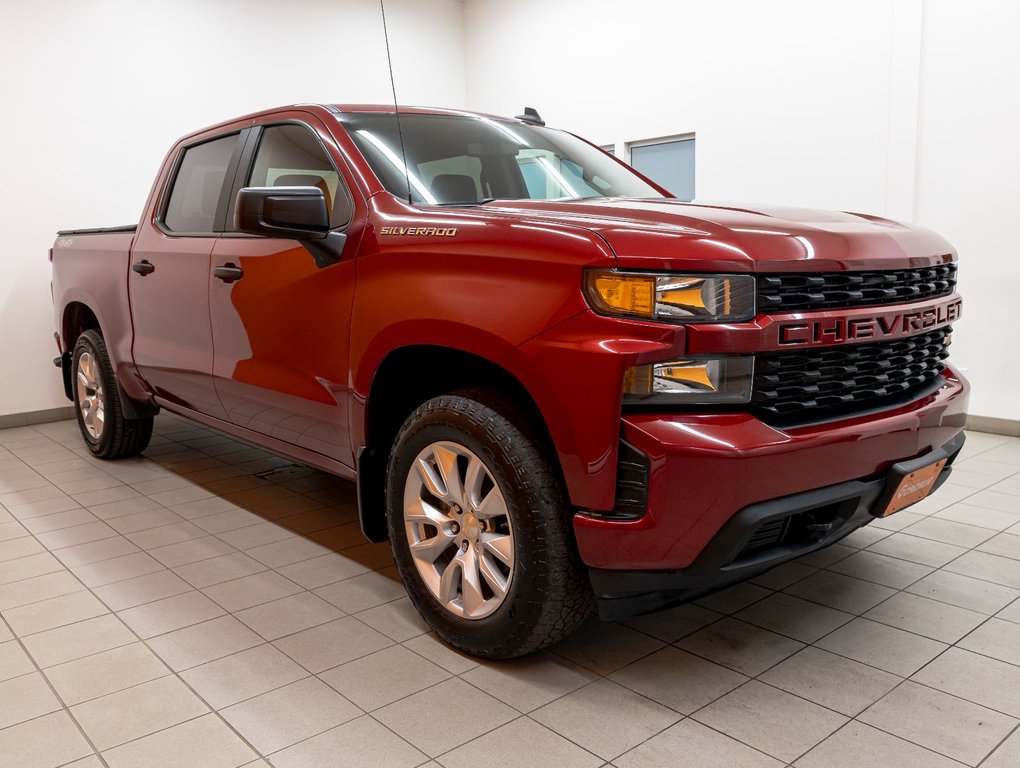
[
  {"x": 170, "y": 272},
  {"x": 280, "y": 323}
]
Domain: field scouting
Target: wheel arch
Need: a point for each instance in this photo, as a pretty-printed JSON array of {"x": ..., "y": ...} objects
[{"x": 397, "y": 389}]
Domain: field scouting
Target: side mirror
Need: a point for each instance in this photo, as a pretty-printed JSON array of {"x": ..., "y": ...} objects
[{"x": 293, "y": 213}]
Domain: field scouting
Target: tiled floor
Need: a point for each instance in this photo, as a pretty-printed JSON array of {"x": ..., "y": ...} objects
[{"x": 213, "y": 605}]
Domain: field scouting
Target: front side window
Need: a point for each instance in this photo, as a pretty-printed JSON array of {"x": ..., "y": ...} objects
[
  {"x": 195, "y": 195},
  {"x": 292, "y": 156},
  {"x": 457, "y": 160}
]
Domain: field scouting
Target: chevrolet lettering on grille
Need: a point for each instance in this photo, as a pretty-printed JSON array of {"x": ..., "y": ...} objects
[{"x": 885, "y": 325}]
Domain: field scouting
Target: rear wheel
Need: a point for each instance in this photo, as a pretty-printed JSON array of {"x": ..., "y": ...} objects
[
  {"x": 480, "y": 529},
  {"x": 98, "y": 405}
]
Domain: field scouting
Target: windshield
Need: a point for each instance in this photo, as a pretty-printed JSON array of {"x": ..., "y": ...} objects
[{"x": 465, "y": 160}]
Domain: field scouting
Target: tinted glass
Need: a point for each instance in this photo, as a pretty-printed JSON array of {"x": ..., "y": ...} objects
[
  {"x": 196, "y": 191},
  {"x": 453, "y": 160},
  {"x": 670, "y": 164},
  {"x": 291, "y": 156}
]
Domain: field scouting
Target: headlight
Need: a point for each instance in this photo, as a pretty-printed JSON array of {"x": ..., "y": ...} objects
[
  {"x": 692, "y": 380},
  {"x": 671, "y": 298}
]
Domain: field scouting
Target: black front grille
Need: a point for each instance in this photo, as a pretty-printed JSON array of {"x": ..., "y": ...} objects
[
  {"x": 810, "y": 383},
  {"x": 782, "y": 293}
]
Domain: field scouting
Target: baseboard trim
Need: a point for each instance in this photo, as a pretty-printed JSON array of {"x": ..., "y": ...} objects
[
  {"x": 36, "y": 417},
  {"x": 995, "y": 426}
]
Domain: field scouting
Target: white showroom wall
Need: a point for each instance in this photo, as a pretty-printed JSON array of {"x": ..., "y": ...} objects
[
  {"x": 94, "y": 92},
  {"x": 904, "y": 108}
]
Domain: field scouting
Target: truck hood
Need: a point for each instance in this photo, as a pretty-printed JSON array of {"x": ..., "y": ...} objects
[{"x": 672, "y": 235}]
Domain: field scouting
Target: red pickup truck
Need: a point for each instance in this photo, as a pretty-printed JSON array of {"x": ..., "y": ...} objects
[{"x": 555, "y": 386}]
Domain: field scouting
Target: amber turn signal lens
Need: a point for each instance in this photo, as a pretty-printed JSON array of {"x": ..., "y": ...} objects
[
  {"x": 671, "y": 298},
  {"x": 623, "y": 294},
  {"x": 706, "y": 380}
]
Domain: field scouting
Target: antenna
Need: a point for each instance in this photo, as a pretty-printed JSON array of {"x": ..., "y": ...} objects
[{"x": 396, "y": 108}]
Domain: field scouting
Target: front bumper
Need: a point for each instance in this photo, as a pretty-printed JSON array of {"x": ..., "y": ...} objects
[{"x": 706, "y": 470}]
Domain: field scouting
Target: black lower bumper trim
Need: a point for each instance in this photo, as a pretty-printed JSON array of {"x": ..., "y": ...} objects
[{"x": 757, "y": 538}]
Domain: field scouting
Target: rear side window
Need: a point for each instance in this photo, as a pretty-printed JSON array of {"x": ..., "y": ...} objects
[
  {"x": 196, "y": 192},
  {"x": 291, "y": 156}
]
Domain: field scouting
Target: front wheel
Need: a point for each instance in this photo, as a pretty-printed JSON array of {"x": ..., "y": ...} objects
[
  {"x": 480, "y": 529},
  {"x": 97, "y": 403}
]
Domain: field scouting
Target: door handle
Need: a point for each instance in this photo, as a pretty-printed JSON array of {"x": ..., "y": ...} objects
[
  {"x": 228, "y": 273},
  {"x": 143, "y": 267}
]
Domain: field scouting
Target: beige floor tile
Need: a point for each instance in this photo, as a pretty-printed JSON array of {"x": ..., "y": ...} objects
[
  {"x": 605, "y": 647},
  {"x": 45, "y": 742},
  {"x": 289, "y": 615},
  {"x": 672, "y": 624},
  {"x": 264, "y": 587},
  {"x": 943, "y": 723},
  {"x": 242, "y": 675},
  {"x": 857, "y": 745},
  {"x": 29, "y": 567},
  {"x": 57, "y": 503},
  {"x": 14, "y": 662},
  {"x": 104, "y": 673},
  {"x": 323, "y": 570},
  {"x": 293, "y": 713},
  {"x": 398, "y": 620},
  {"x": 760, "y": 716},
  {"x": 24, "y": 698},
  {"x": 981, "y": 565},
  {"x": 840, "y": 592},
  {"x": 1006, "y": 755},
  {"x": 735, "y": 598},
  {"x": 216, "y": 570},
  {"x": 202, "y": 643},
  {"x": 191, "y": 551},
  {"x": 917, "y": 549},
  {"x": 14, "y": 549},
  {"x": 791, "y": 616},
  {"x": 922, "y": 616},
  {"x": 950, "y": 532},
  {"x": 170, "y": 614},
  {"x": 414, "y": 718},
  {"x": 965, "y": 592},
  {"x": 78, "y": 534},
  {"x": 790, "y": 573},
  {"x": 231, "y": 520},
  {"x": 135, "y": 712},
  {"x": 258, "y": 535},
  {"x": 117, "y": 569},
  {"x": 362, "y": 592},
  {"x": 840, "y": 684},
  {"x": 330, "y": 645},
  {"x": 521, "y": 743},
  {"x": 93, "y": 498},
  {"x": 205, "y": 741},
  {"x": 888, "y": 571},
  {"x": 95, "y": 551},
  {"x": 37, "y": 588},
  {"x": 689, "y": 743},
  {"x": 529, "y": 682},
  {"x": 1011, "y": 612},
  {"x": 740, "y": 646},
  {"x": 982, "y": 517},
  {"x": 996, "y": 638},
  {"x": 383, "y": 677},
  {"x": 142, "y": 589},
  {"x": 12, "y": 530},
  {"x": 54, "y": 612},
  {"x": 165, "y": 535},
  {"x": 431, "y": 647},
  {"x": 864, "y": 537},
  {"x": 894, "y": 650},
  {"x": 73, "y": 641},
  {"x": 364, "y": 743},
  {"x": 58, "y": 520},
  {"x": 678, "y": 680},
  {"x": 980, "y": 679},
  {"x": 119, "y": 508}
]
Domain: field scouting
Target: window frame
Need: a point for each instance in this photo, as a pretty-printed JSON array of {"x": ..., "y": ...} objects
[
  {"x": 228, "y": 177},
  {"x": 246, "y": 165}
]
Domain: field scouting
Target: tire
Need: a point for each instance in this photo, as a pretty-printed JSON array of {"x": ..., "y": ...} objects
[
  {"x": 98, "y": 405},
  {"x": 524, "y": 546}
]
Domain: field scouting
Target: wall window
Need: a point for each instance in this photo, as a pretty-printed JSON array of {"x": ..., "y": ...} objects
[
  {"x": 610, "y": 148},
  {"x": 197, "y": 186},
  {"x": 669, "y": 163}
]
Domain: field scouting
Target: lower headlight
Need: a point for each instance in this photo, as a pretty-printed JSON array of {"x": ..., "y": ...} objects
[{"x": 691, "y": 380}]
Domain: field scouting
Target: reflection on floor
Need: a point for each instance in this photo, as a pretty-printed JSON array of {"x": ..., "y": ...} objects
[{"x": 213, "y": 605}]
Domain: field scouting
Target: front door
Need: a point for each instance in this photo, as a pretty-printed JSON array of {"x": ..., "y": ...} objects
[
  {"x": 280, "y": 323},
  {"x": 168, "y": 283}
]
